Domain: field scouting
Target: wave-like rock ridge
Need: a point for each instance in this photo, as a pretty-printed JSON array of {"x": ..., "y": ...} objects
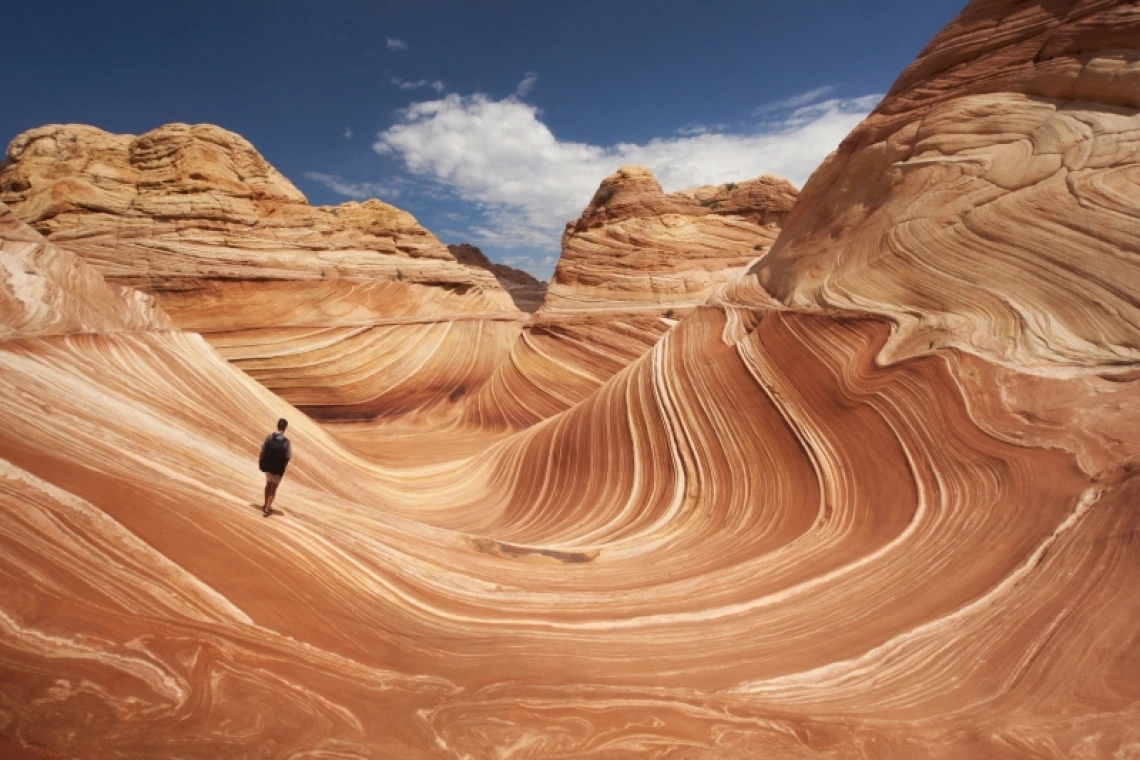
[{"x": 875, "y": 497}]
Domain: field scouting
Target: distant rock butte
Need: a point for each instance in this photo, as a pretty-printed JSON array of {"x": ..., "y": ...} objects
[
  {"x": 637, "y": 247},
  {"x": 634, "y": 262},
  {"x": 526, "y": 291}
]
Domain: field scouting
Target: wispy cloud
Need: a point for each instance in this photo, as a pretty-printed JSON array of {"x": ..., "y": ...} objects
[
  {"x": 348, "y": 133},
  {"x": 405, "y": 84},
  {"x": 526, "y": 85},
  {"x": 396, "y": 45},
  {"x": 699, "y": 129},
  {"x": 355, "y": 190},
  {"x": 795, "y": 101},
  {"x": 527, "y": 183}
]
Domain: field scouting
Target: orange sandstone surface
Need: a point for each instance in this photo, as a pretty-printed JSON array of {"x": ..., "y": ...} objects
[
  {"x": 634, "y": 263},
  {"x": 318, "y": 303},
  {"x": 871, "y": 493}
]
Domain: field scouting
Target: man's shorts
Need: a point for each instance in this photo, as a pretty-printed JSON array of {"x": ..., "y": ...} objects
[{"x": 271, "y": 478}]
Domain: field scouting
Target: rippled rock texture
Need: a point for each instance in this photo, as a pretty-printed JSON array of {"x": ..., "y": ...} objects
[
  {"x": 632, "y": 265},
  {"x": 48, "y": 291},
  {"x": 807, "y": 522},
  {"x": 306, "y": 299}
]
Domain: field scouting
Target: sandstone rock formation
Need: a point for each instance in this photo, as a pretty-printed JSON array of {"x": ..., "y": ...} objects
[
  {"x": 806, "y": 523},
  {"x": 635, "y": 261},
  {"x": 636, "y": 247},
  {"x": 300, "y": 296},
  {"x": 47, "y": 291},
  {"x": 524, "y": 289},
  {"x": 987, "y": 203}
]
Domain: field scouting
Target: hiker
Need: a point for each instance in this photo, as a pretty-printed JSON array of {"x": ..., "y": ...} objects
[{"x": 274, "y": 458}]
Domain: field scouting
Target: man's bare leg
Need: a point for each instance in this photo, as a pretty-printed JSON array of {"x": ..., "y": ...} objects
[{"x": 270, "y": 492}]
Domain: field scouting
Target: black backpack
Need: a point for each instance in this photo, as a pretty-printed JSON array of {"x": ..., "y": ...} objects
[{"x": 273, "y": 454}]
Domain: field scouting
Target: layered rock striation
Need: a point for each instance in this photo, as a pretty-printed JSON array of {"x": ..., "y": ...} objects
[
  {"x": 797, "y": 526},
  {"x": 988, "y": 203},
  {"x": 45, "y": 290},
  {"x": 634, "y": 262},
  {"x": 230, "y": 248},
  {"x": 635, "y": 247}
]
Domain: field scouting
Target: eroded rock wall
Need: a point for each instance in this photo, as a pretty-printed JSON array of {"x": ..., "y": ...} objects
[
  {"x": 636, "y": 260},
  {"x": 196, "y": 217}
]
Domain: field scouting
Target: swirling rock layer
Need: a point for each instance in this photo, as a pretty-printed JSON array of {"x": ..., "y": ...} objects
[
  {"x": 196, "y": 217},
  {"x": 990, "y": 201},
  {"x": 790, "y": 528},
  {"x": 635, "y": 261},
  {"x": 48, "y": 291}
]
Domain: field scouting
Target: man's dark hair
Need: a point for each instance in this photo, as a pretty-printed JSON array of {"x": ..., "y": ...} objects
[{"x": 282, "y": 424}]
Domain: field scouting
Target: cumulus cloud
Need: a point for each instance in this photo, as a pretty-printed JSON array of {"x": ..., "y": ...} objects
[
  {"x": 526, "y": 85},
  {"x": 396, "y": 45},
  {"x": 405, "y": 84},
  {"x": 355, "y": 190},
  {"x": 527, "y": 183},
  {"x": 348, "y": 133}
]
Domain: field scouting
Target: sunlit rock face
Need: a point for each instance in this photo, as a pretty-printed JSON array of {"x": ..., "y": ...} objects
[
  {"x": 636, "y": 247},
  {"x": 45, "y": 290},
  {"x": 304, "y": 298},
  {"x": 794, "y": 527},
  {"x": 989, "y": 202},
  {"x": 634, "y": 262}
]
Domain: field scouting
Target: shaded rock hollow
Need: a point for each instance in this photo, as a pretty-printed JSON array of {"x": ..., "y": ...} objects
[{"x": 526, "y": 291}]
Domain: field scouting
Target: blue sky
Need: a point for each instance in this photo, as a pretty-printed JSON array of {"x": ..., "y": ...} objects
[{"x": 491, "y": 122}]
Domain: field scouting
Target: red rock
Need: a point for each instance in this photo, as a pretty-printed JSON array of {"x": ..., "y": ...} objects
[
  {"x": 876, "y": 498},
  {"x": 304, "y": 298},
  {"x": 634, "y": 262}
]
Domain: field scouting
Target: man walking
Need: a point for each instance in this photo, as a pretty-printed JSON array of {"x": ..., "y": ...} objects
[{"x": 275, "y": 455}]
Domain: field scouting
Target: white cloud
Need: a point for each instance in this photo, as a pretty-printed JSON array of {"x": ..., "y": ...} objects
[
  {"x": 405, "y": 84},
  {"x": 499, "y": 156},
  {"x": 356, "y": 190},
  {"x": 395, "y": 45},
  {"x": 795, "y": 101},
  {"x": 526, "y": 85},
  {"x": 692, "y": 129},
  {"x": 348, "y": 133},
  {"x": 699, "y": 129}
]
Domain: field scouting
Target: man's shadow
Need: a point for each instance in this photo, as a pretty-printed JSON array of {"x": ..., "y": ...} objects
[{"x": 273, "y": 510}]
